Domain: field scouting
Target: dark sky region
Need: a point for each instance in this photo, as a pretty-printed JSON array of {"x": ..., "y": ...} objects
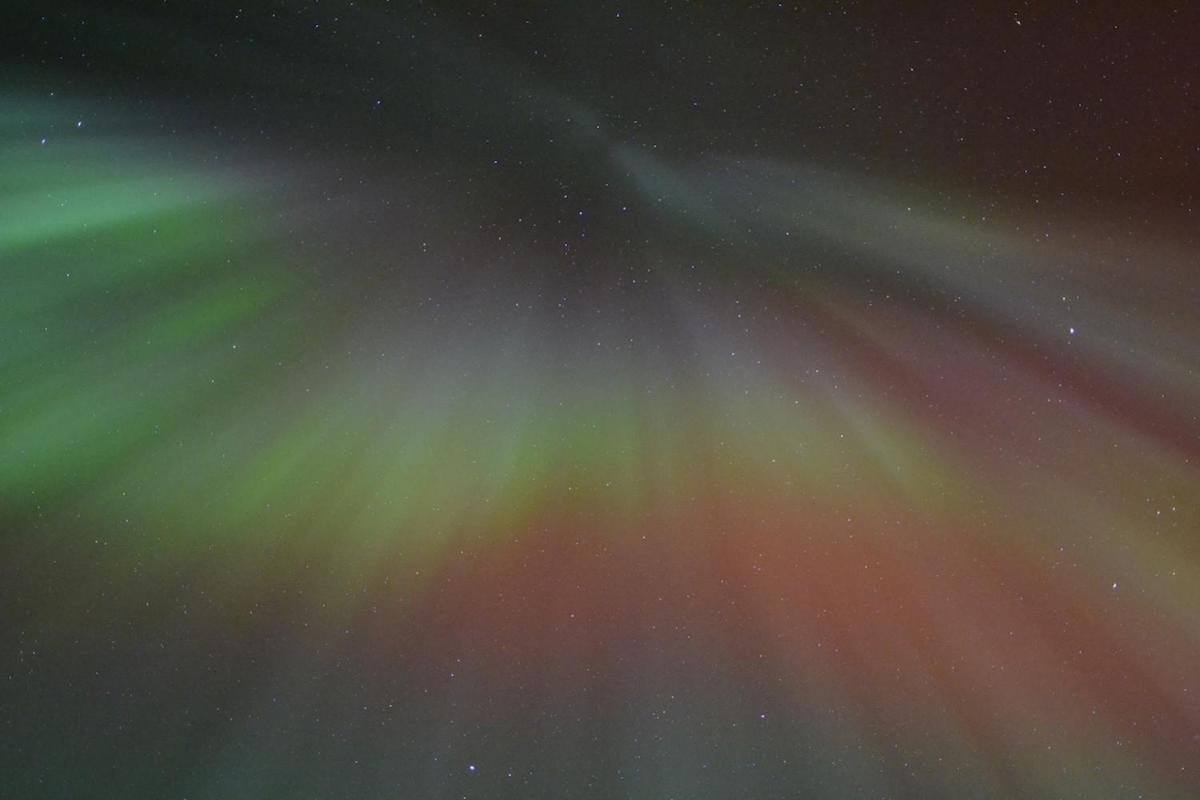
[{"x": 599, "y": 400}]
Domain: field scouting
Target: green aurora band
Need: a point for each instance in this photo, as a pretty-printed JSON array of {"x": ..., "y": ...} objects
[{"x": 945, "y": 529}]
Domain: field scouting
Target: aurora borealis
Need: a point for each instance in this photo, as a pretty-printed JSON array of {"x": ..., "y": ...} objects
[{"x": 444, "y": 400}]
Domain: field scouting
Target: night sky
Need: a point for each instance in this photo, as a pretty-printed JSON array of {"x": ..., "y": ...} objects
[{"x": 599, "y": 400}]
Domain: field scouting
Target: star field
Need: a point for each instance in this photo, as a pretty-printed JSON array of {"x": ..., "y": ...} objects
[{"x": 599, "y": 400}]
